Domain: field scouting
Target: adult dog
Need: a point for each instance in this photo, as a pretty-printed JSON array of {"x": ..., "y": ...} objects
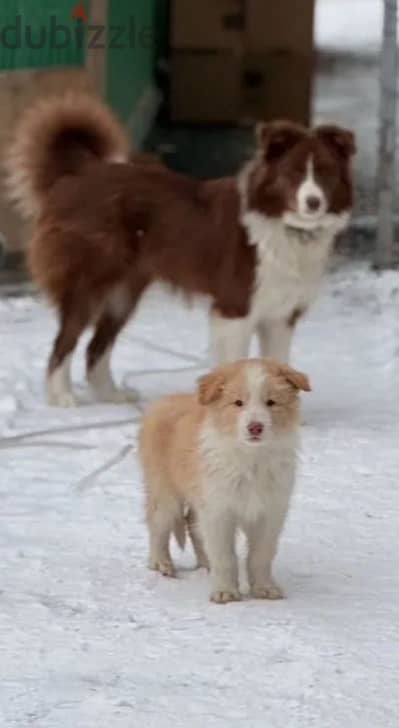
[{"x": 105, "y": 228}]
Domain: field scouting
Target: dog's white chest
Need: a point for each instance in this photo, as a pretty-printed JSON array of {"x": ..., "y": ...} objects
[
  {"x": 258, "y": 491},
  {"x": 250, "y": 484},
  {"x": 253, "y": 493},
  {"x": 290, "y": 267}
]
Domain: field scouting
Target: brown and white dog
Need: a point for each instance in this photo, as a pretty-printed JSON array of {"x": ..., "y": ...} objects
[
  {"x": 105, "y": 229},
  {"x": 228, "y": 454}
]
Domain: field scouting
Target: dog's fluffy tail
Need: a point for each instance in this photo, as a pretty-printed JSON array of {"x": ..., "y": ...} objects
[{"x": 58, "y": 137}]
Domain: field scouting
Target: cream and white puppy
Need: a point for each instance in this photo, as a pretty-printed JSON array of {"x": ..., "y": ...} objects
[{"x": 227, "y": 455}]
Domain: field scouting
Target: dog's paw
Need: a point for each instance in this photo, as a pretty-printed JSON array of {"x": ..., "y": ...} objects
[
  {"x": 224, "y": 597},
  {"x": 118, "y": 396},
  {"x": 64, "y": 400},
  {"x": 127, "y": 396},
  {"x": 270, "y": 591},
  {"x": 202, "y": 563},
  {"x": 165, "y": 567}
]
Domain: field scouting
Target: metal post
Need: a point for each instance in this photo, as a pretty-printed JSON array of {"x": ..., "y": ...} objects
[{"x": 388, "y": 127}]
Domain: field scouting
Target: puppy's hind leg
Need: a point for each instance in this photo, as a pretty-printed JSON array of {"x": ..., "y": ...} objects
[
  {"x": 196, "y": 540},
  {"x": 164, "y": 514}
]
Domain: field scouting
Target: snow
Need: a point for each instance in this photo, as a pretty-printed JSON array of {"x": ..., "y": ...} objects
[
  {"x": 91, "y": 639},
  {"x": 349, "y": 25},
  {"x": 349, "y": 38}
]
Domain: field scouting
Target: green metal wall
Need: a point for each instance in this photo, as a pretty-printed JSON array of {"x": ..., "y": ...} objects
[
  {"x": 130, "y": 57},
  {"x": 25, "y": 23},
  {"x": 131, "y": 67}
]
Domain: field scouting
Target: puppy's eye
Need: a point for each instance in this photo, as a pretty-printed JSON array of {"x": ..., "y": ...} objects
[
  {"x": 271, "y": 403},
  {"x": 239, "y": 403}
]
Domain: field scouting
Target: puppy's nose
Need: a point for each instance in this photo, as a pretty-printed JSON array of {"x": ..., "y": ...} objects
[
  {"x": 313, "y": 203},
  {"x": 255, "y": 429}
]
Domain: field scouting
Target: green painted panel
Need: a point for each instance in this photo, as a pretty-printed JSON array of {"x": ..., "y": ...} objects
[
  {"x": 40, "y": 34},
  {"x": 131, "y": 64}
]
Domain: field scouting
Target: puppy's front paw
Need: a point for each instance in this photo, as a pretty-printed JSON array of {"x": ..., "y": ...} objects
[
  {"x": 202, "y": 563},
  {"x": 224, "y": 597},
  {"x": 270, "y": 591},
  {"x": 165, "y": 567}
]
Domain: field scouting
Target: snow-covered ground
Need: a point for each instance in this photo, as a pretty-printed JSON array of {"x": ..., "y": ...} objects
[
  {"x": 349, "y": 25},
  {"x": 90, "y": 639}
]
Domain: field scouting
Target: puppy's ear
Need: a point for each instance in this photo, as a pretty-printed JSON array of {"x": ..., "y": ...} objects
[
  {"x": 296, "y": 379},
  {"x": 211, "y": 387},
  {"x": 341, "y": 141},
  {"x": 277, "y": 137}
]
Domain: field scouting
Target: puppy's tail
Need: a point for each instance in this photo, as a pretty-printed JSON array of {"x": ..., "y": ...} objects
[{"x": 58, "y": 137}]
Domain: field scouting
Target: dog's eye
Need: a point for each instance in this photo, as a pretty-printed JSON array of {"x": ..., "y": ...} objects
[
  {"x": 271, "y": 403},
  {"x": 239, "y": 403}
]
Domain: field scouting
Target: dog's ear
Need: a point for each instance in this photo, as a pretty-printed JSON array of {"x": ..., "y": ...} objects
[
  {"x": 277, "y": 137},
  {"x": 296, "y": 379},
  {"x": 211, "y": 387},
  {"x": 341, "y": 141}
]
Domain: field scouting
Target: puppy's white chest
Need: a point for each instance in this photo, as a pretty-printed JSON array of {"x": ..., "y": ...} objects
[
  {"x": 252, "y": 494},
  {"x": 258, "y": 493},
  {"x": 249, "y": 486}
]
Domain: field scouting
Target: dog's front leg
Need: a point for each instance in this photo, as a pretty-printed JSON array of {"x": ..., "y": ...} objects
[
  {"x": 275, "y": 340},
  {"x": 263, "y": 537},
  {"x": 218, "y": 533},
  {"x": 230, "y": 338}
]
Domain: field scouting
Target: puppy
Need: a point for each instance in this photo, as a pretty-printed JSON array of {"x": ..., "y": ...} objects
[
  {"x": 107, "y": 225},
  {"x": 228, "y": 454}
]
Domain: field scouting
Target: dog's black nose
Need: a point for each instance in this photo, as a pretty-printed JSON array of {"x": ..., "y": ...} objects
[{"x": 313, "y": 203}]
